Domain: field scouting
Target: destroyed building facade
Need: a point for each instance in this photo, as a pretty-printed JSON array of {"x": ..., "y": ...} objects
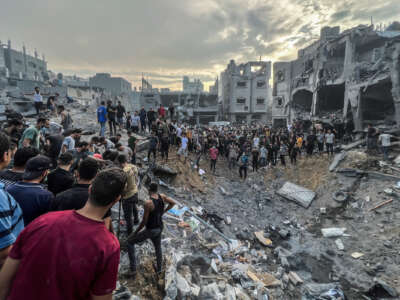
[
  {"x": 244, "y": 91},
  {"x": 192, "y": 86},
  {"x": 20, "y": 65},
  {"x": 117, "y": 86},
  {"x": 191, "y": 107},
  {"x": 350, "y": 77}
]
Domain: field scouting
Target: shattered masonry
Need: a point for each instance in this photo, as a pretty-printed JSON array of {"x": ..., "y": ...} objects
[{"x": 351, "y": 76}]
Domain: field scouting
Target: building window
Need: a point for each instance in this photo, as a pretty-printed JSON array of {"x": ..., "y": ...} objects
[
  {"x": 32, "y": 65},
  {"x": 280, "y": 75},
  {"x": 279, "y": 101},
  {"x": 260, "y": 83},
  {"x": 246, "y": 108},
  {"x": 260, "y": 100},
  {"x": 241, "y": 100},
  {"x": 241, "y": 84},
  {"x": 18, "y": 62}
]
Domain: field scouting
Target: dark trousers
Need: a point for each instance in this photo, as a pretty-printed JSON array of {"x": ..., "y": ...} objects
[
  {"x": 255, "y": 163},
  {"x": 135, "y": 129},
  {"x": 329, "y": 148},
  {"x": 143, "y": 124},
  {"x": 283, "y": 161},
  {"x": 113, "y": 126},
  {"x": 243, "y": 172},
  {"x": 155, "y": 236},
  {"x": 293, "y": 159},
  {"x": 320, "y": 147},
  {"x": 38, "y": 107},
  {"x": 232, "y": 162},
  {"x": 212, "y": 165},
  {"x": 164, "y": 152},
  {"x": 130, "y": 209}
]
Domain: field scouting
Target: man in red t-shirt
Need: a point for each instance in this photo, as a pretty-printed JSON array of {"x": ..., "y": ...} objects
[
  {"x": 161, "y": 112},
  {"x": 67, "y": 254}
]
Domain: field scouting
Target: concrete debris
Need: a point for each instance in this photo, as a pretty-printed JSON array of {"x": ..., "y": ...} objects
[
  {"x": 298, "y": 194},
  {"x": 332, "y": 232},
  {"x": 336, "y": 161},
  {"x": 264, "y": 241},
  {"x": 295, "y": 278},
  {"x": 339, "y": 244},
  {"x": 357, "y": 255}
]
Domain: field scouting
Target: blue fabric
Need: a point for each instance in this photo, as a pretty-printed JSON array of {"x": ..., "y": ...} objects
[
  {"x": 11, "y": 222},
  {"x": 102, "y": 114},
  {"x": 33, "y": 198}
]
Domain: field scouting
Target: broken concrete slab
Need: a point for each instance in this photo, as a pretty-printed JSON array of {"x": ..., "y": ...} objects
[
  {"x": 336, "y": 161},
  {"x": 264, "y": 241},
  {"x": 296, "y": 193},
  {"x": 294, "y": 278},
  {"x": 354, "y": 144}
]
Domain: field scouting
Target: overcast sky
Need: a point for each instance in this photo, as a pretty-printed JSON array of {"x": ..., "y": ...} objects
[{"x": 166, "y": 39}]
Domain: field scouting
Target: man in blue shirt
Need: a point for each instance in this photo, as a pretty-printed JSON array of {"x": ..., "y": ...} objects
[
  {"x": 33, "y": 198},
  {"x": 11, "y": 223},
  {"x": 102, "y": 117}
]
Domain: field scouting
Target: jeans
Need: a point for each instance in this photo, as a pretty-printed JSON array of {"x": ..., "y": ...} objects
[
  {"x": 329, "y": 148},
  {"x": 143, "y": 124},
  {"x": 149, "y": 152},
  {"x": 263, "y": 161},
  {"x": 129, "y": 208},
  {"x": 102, "y": 128},
  {"x": 232, "y": 162},
  {"x": 155, "y": 236},
  {"x": 38, "y": 107},
  {"x": 385, "y": 151}
]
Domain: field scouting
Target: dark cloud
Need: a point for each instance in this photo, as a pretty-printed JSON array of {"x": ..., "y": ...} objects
[{"x": 170, "y": 38}]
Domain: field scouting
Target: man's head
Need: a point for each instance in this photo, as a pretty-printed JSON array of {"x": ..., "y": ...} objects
[
  {"x": 37, "y": 90},
  {"x": 15, "y": 123},
  {"x": 102, "y": 103},
  {"x": 102, "y": 140},
  {"x": 76, "y": 133},
  {"x": 129, "y": 133},
  {"x": 107, "y": 187},
  {"x": 65, "y": 159},
  {"x": 36, "y": 168},
  {"x": 88, "y": 169},
  {"x": 41, "y": 122},
  {"x": 122, "y": 159},
  {"x": 119, "y": 147},
  {"x": 119, "y": 102},
  {"x": 82, "y": 146},
  {"x": 22, "y": 156},
  {"x": 153, "y": 188},
  {"x": 5, "y": 153}
]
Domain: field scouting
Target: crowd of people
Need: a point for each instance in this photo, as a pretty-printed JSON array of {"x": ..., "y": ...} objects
[{"x": 57, "y": 190}]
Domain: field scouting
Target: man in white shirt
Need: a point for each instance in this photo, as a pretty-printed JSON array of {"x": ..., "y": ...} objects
[
  {"x": 183, "y": 149},
  {"x": 38, "y": 100},
  {"x": 329, "y": 141},
  {"x": 384, "y": 139}
]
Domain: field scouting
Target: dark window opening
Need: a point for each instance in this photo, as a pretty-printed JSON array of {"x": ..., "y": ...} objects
[{"x": 241, "y": 100}]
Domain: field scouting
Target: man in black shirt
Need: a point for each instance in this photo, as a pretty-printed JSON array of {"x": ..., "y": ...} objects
[
  {"x": 154, "y": 208},
  {"x": 151, "y": 117},
  {"x": 76, "y": 196},
  {"x": 21, "y": 157},
  {"x": 111, "y": 114},
  {"x": 53, "y": 147},
  {"x": 61, "y": 179},
  {"x": 120, "y": 114}
]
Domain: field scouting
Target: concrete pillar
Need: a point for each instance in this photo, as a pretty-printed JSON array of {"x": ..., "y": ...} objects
[
  {"x": 248, "y": 118},
  {"x": 395, "y": 76},
  {"x": 314, "y": 103},
  {"x": 358, "y": 114}
]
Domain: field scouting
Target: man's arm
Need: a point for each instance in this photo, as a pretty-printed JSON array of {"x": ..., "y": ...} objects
[
  {"x": 7, "y": 275},
  {"x": 171, "y": 202},
  {"x": 3, "y": 255}
]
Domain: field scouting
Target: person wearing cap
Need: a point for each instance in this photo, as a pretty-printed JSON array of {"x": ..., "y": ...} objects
[
  {"x": 21, "y": 157},
  {"x": 31, "y": 135},
  {"x": 61, "y": 179},
  {"x": 11, "y": 222},
  {"x": 30, "y": 194}
]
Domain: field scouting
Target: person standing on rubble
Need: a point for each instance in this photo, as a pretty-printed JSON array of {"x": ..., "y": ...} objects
[
  {"x": 151, "y": 117},
  {"x": 213, "y": 158},
  {"x": 38, "y": 100},
  {"x": 121, "y": 113},
  {"x": 384, "y": 139},
  {"x": 102, "y": 117},
  {"x": 143, "y": 116},
  {"x": 154, "y": 208},
  {"x": 243, "y": 162},
  {"x": 371, "y": 138},
  {"x": 329, "y": 141},
  {"x": 111, "y": 114}
]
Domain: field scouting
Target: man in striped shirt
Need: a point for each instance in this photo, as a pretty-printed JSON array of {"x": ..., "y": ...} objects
[{"x": 11, "y": 222}]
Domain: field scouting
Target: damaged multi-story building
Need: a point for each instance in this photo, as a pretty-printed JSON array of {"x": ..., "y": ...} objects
[
  {"x": 244, "y": 91},
  {"x": 350, "y": 77},
  {"x": 196, "y": 107}
]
